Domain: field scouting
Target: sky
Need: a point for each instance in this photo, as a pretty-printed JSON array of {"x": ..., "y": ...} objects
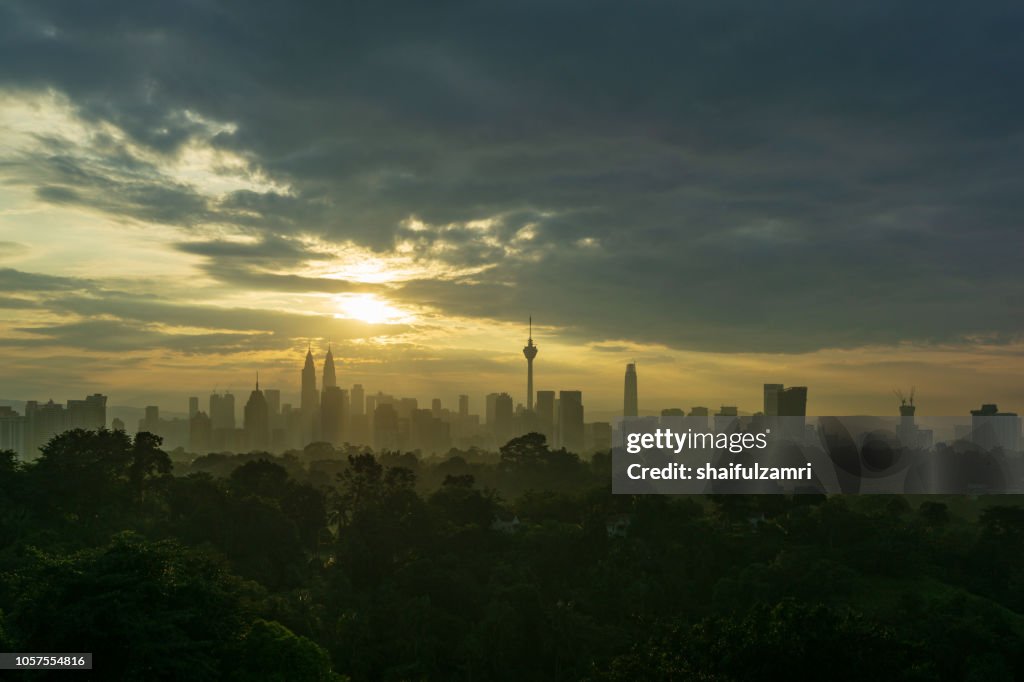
[{"x": 727, "y": 193}]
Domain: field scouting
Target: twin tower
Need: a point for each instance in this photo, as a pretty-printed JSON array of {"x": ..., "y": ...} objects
[{"x": 320, "y": 416}]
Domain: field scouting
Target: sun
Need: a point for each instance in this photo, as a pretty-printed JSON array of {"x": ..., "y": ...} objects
[{"x": 369, "y": 308}]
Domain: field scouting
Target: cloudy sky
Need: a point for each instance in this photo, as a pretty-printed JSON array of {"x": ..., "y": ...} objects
[{"x": 727, "y": 192}]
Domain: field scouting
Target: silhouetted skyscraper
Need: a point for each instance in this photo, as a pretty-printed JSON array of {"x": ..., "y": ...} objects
[
  {"x": 503, "y": 410},
  {"x": 463, "y": 405},
  {"x": 385, "y": 427},
  {"x": 13, "y": 431},
  {"x": 200, "y": 432},
  {"x": 333, "y": 414},
  {"x": 545, "y": 409},
  {"x": 530, "y": 352},
  {"x": 992, "y": 429},
  {"x": 490, "y": 402},
  {"x": 330, "y": 378},
  {"x": 90, "y": 413},
  {"x": 793, "y": 401},
  {"x": 792, "y": 410},
  {"x": 570, "y": 420},
  {"x": 193, "y": 406},
  {"x": 273, "y": 397},
  {"x": 771, "y": 399},
  {"x": 629, "y": 400},
  {"x": 309, "y": 400},
  {"x": 222, "y": 411},
  {"x": 257, "y": 420},
  {"x": 358, "y": 401}
]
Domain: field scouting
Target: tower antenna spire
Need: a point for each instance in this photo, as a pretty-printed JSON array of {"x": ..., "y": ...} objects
[{"x": 529, "y": 352}]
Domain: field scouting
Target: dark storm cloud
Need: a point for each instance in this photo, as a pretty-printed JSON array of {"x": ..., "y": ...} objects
[
  {"x": 16, "y": 280},
  {"x": 714, "y": 175}
]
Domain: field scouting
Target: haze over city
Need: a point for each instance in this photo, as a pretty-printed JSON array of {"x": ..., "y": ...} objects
[{"x": 179, "y": 209}]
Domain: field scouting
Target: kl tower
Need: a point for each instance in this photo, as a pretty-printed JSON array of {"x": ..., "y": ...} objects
[{"x": 530, "y": 351}]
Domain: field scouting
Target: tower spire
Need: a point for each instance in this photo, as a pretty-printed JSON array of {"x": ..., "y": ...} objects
[{"x": 529, "y": 352}]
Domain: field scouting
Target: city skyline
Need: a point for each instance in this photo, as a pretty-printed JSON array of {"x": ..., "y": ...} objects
[{"x": 721, "y": 216}]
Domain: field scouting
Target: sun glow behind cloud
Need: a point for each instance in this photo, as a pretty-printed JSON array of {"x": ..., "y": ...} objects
[{"x": 370, "y": 308}]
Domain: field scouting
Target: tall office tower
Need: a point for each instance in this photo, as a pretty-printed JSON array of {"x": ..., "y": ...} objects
[
  {"x": 222, "y": 411},
  {"x": 273, "y": 397},
  {"x": 13, "y": 431},
  {"x": 771, "y": 399},
  {"x": 193, "y": 406},
  {"x": 330, "y": 378},
  {"x": 503, "y": 411},
  {"x": 792, "y": 411},
  {"x": 309, "y": 400},
  {"x": 435, "y": 408},
  {"x": 530, "y": 352},
  {"x": 385, "y": 427},
  {"x": 257, "y": 420},
  {"x": 629, "y": 400},
  {"x": 371, "y": 405},
  {"x": 492, "y": 399},
  {"x": 463, "y": 405},
  {"x": 89, "y": 414},
  {"x": 333, "y": 414},
  {"x": 358, "y": 400},
  {"x": 545, "y": 409},
  {"x": 151, "y": 421},
  {"x": 570, "y": 420},
  {"x": 992, "y": 429},
  {"x": 200, "y": 433},
  {"x": 793, "y": 401},
  {"x": 44, "y": 422}
]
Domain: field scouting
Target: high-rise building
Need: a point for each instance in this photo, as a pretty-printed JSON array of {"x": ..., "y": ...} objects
[
  {"x": 992, "y": 429},
  {"x": 151, "y": 421},
  {"x": 273, "y": 397},
  {"x": 570, "y": 420},
  {"x": 193, "y": 406},
  {"x": 333, "y": 414},
  {"x": 44, "y": 422},
  {"x": 257, "y": 420},
  {"x": 629, "y": 400},
  {"x": 545, "y": 409},
  {"x": 463, "y": 406},
  {"x": 793, "y": 401},
  {"x": 529, "y": 352},
  {"x": 385, "y": 427},
  {"x": 89, "y": 414},
  {"x": 435, "y": 408},
  {"x": 309, "y": 399},
  {"x": 491, "y": 401},
  {"x": 502, "y": 427},
  {"x": 358, "y": 401},
  {"x": 13, "y": 432},
  {"x": 771, "y": 399},
  {"x": 222, "y": 411},
  {"x": 792, "y": 412},
  {"x": 200, "y": 433},
  {"x": 330, "y": 378}
]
